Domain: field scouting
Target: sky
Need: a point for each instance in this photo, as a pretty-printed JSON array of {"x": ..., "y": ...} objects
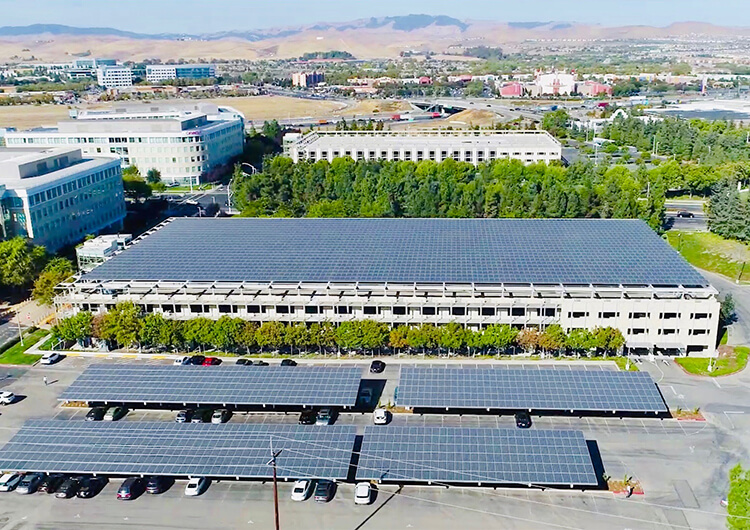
[{"x": 206, "y": 16}]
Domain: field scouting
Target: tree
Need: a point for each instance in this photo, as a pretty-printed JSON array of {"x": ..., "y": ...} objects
[
  {"x": 198, "y": 332},
  {"x": 248, "y": 336},
  {"x": 56, "y": 271},
  {"x": 608, "y": 339},
  {"x": 79, "y": 327},
  {"x": 226, "y": 332},
  {"x": 499, "y": 336},
  {"x": 296, "y": 335},
  {"x": 20, "y": 262},
  {"x": 424, "y": 336},
  {"x": 553, "y": 338},
  {"x": 121, "y": 324},
  {"x": 270, "y": 334},
  {"x": 272, "y": 130},
  {"x": 135, "y": 187},
  {"x": 738, "y": 499},
  {"x": 452, "y": 336},
  {"x": 397, "y": 338},
  {"x": 727, "y": 310},
  {"x": 580, "y": 340},
  {"x": 556, "y": 122},
  {"x": 151, "y": 329},
  {"x": 374, "y": 334},
  {"x": 528, "y": 339},
  {"x": 153, "y": 176}
]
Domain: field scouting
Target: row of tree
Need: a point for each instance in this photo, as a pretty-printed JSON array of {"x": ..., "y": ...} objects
[
  {"x": 125, "y": 325},
  {"x": 728, "y": 212}
]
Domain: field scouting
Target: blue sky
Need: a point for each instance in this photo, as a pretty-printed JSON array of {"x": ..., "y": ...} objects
[{"x": 197, "y": 16}]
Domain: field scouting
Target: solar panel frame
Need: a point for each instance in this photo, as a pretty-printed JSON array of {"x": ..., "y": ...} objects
[
  {"x": 476, "y": 456},
  {"x": 171, "y": 449},
  {"x": 217, "y": 385},
  {"x": 543, "y": 389}
]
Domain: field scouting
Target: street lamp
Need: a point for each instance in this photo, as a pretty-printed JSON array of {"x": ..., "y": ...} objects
[{"x": 272, "y": 463}]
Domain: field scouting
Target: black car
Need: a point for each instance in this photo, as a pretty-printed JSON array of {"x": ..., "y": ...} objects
[
  {"x": 96, "y": 414},
  {"x": 685, "y": 213},
  {"x": 288, "y": 362},
  {"x": 307, "y": 417},
  {"x": 50, "y": 483},
  {"x": 523, "y": 420},
  {"x": 261, "y": 363},
  {"x": 131, "y": 488},
  {"x": 91, "y": 486},
  {"x": 324, "y": 491},
  {"x": 68, "y": 488},
  {"x": 156, "y": 485},
  {"x": 197, "y": 359},
  {"x": 377, "y": 367},
  {"x": 244, "y": 362},
  {"x": 202, "y": 416}
]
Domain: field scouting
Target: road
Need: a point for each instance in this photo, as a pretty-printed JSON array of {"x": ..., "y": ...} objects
[
  {"x": 186, "y": 204},
  {"x": 28, "y": 314},
  {"x": 695, "y": 207}
]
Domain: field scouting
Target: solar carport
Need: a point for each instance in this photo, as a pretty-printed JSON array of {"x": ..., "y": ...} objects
[
  {"x": 227, "y": 450},
  {"x": 226, "y": 386},
  {"x": 533, "y": 390}
]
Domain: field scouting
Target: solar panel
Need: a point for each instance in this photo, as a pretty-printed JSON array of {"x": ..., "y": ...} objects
[
  {"x": 172, "y": 449},
  {"x": 217, "y": 385},
  {"x": 543, "y": 389},
  {"x": 487, "y": 456},
  {"x": 544, "y": 251}
]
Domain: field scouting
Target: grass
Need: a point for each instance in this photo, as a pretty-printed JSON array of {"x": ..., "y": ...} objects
[
  {"x": 16, "y": 353},
  {"x": 726, "y": 363},
  {"x": 713, "y": 253},
  {"x": 28, "y": 116},
  {"x": 183, "y": 189}
]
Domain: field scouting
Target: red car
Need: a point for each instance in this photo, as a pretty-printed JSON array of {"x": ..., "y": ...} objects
[{"x": 210, "y": 361}]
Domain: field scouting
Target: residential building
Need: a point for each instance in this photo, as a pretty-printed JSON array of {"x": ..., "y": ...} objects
[
  {"x": 466, "y": 146},
  {"x": 114, "y": 77},
  {"x": 156, "y": 73},
  {"x": 56, "y": 196},
  {"x": 527, "y": 273},
  {"x": 593, "y": 89},
  {"x": 307, "y": 79}
]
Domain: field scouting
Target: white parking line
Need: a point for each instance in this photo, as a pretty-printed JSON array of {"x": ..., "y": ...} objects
[{"x": 716, "y": 383}]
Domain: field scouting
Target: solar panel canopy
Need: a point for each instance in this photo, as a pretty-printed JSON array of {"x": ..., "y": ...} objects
[
  {"x": 217, "y": 385},
  {"x": 172, "y": 449},
  {"x": 518, "y": 389},
  {"x": 543, "y": 251},
  {"x": 487, "y": 456}
]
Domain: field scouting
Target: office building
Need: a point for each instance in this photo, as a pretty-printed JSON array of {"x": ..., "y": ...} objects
[
  {"x": 55, "y": 197},
  {"x": 466, "y": 146},
  {"x": 528, "y": 273},
  {"x": 307, "y": 79},
  {"x": 114, "y": 77},
  {"x": 156, "y": 73}
]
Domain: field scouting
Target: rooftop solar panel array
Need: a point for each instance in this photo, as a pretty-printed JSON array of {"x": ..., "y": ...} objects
[
  {"x": 162, "y": 448},
  {"x": 543, "y": 251},
  {"x": 217, "y": 385},
  {"x": 443, "y": 454},
  {"x": 514, "y": 389}
]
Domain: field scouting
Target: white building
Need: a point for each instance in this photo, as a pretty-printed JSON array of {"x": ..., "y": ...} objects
[
  {"x": 528, "y": 273},
  {"x": 467, "y": 146},
  {"x": 57, "y": 196},
  {"x": 156, "y": 73},
  {"x": 114, "y": 77},
  {"x": 555, "y": 84},
  {"x": 183, "y": 142},
  {"x": 96, "y": 251}
]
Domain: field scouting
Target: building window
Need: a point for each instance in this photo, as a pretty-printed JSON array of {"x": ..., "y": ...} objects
[
  {"x": 698, "y": 332},
  {"x": 311, "y": 310},
  {"x": 488, "y": 311},
  {"x": 458, "y": 311},
  {"x": 343, "y": 310},
  {"x": 639, "y": 315},
  {"x": 370, "y": 310},
  {"x": 667, "y": 316},
  {"x": 608, "y": 314},
  {"x": 225, "y": 309},
  {"x": 253, "y": 309},
  {"x": 548, "y": 311},
  {"x": 428, "y": 311},
  {"x": 399, "y": 310},
  {"x": 637, "y": 331},
  {"x": 196, "y": 308},
  {"x": 283, "y": 309},
  {"x": 699, "y": 316},
  {"x": 667, "y": 332},
  {"x": 578, "y": 314},
  {"x": 517, "y": 311}
]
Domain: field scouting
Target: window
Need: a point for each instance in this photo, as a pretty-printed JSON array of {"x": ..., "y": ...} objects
[
  {"x": 312, "y": 310},
  {"x": 253, "y": 309},
  {"x": 637, "y": 331},
  {"x": 370, "y": 310},
  {"x": 458, "y": 311},
  {"x": 283, "y": 309},
  {"x": 639, "y": 315},
  {"x": 225, "y": 309},
  {"x": 667, "y": 332},
  {"x": 196, "y": 308},
  {"x": 399, "y": 310},
  {"x": 578, "y": 314},
  {"x": 343, "y": 310},
  {"x": 608, "y": 314},
  {"x": 698, "y": 332},
  {"x": 428, "y": 310},
  {"x": 517, "y": 311},
  {"x": 548, "y": 312},
  {"x": 699, "y": 316},
  {"x": 667, "y": 316},
  {"x": 488, "y": 311}
]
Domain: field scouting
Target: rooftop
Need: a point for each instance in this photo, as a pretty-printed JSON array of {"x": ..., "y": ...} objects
[
  {"x": 522, "y": 251},
  {"x": 12, "y": 160}
]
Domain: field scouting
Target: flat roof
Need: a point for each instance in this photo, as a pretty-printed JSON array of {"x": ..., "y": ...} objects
[{"x": 523, "y": 251}]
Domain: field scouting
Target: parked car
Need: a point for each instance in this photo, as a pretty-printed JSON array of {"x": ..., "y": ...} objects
[
  {"x": 196, "y": 486},
  {"x": 50, "y": 483},
  {"x": 325, "y": 417},
  {"x": 96, "y": 414},
  {"x": 6, "y": 398},
  {"x": 29, "y": 483},
  {"x": 244, "y": 362},
  {"x": 261, "y": 363},
  {"x": 183, "y": 416},
  {"x": 523, "y": 420},
  {"x": 380, "y": 417},
  {"x": 220, "y": 416},
  {"x": 377, "y": 367},
  {"x": 307, "y": 417},
  {"x": 363, "y": 493},
  {"x": 211, "y": 361},
  {"x": 9, "y": 481},
  {"x": 156, "y": 485},
  {"x": 202, "y": 416},
  {"x": 302, "y": 490},
  {"x": 197, "y": 360},
  {"x": 50, "y": 358},
  {"x": 324, "y": 491},
  {"x": 91, "y": 486},
  {"x": 288, "y": 362},
  {"x": 685, "y": 213},
  {"x": 68, "y": 488},
  {"x": 131, "y": 488},
  {"x": 115, "y": 413},
  {"x": 366, "y": 397},
  {"x": 181, "y": 361}
]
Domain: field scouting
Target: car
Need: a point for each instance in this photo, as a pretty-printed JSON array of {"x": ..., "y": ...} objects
[
  {"x": 324, "y": 491},
  {"x": 68, "y": 488},
  {"x": 50, "y": 483},
  {"x": 523, "y": 420},
  {"x": 96, "y": 414},
  {"x": 377, "y": 366},
  {"x": 50, "y": 358},
  {"x": 325, "y": 417},
  {"x": 9, "y": 481},
  {"x": 202, "y": 416},
  {"x": 220, "y": 416},
  {"x": 196, "y": 486},
  {"x": 91, "y": 486},
  {"x": 180, "y": 361},
  {"x": 115, "y": 413},
  {"x": 29, "y": 483},
  {"x": 197, "y": 360},
  {"x": 244, "y": 362},
  {"x": 131, "y": 488},
  {"x": 685, "y": 213},
  {"x": 288, "y": 362},
  {"x": 366, "y": 396},
  {"x": 307, "y": 417},
  {"x": 261, "y": 363},
  {"x": 363, "y": 493},
  {"x": 183, "y": 416},
  {"x": 302, "y": 490},
  {"x": 211, "y": 361},
  {"x": 156, "y": 485},
  {"x": 6, "y": 398},
  {"x": 380, "y": 417}
]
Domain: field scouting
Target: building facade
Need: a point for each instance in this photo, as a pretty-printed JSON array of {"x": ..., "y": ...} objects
[
  {"x": 55, "y": 197},
  {"x": 466, "y": 146},
  {"x": 307, "y": 79},
  {"x": 156, "y": 73},
  {"x": 114, "y": 77},
  {"x": 528, "y": 273}
]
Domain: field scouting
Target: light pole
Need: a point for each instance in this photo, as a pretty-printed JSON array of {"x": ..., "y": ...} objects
[
  {"x": 18, "y": 321},
  {"x": 272, "y": 463}
]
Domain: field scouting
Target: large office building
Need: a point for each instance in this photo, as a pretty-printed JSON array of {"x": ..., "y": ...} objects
[
  {"x": 57, "y": 196},
  {"x": 580, "y": 273},
  {"x": 156, "y": 73},
  {"x": 183, "y": 142},
  {"x": 114, "y": 77},
  {"x": 466, "y": 146}
]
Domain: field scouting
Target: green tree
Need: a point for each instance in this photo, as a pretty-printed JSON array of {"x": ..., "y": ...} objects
[
  {"x": 153, "y": 176},
  {"x": 79, "y": 327},
  {"x": 295, "y": 335},
  {"x": 198, "y": 332},
  {"x": 452, "y": 337},
  {"x": 226, "y": 332},
  {"x": 374, "y": 334},
  {"x": 608, "y": 339},
  {"x": 20, "y": 262},
  {"x": 151, "y": 330},
  {"x": 397, "y": 338},
  {"x": 124, "y": 323},
  {"x": 248, "y": 336},
  {"x": 56, "y": 271},
  {"x": 580, "y": 340},
  {"x": 270, "y": 334},
  {"x": 499, "y": 336},
  {"x": 738, "y": 499},
  {"x": 553, "y": 338}
]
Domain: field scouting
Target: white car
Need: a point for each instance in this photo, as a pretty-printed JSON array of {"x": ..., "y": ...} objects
[
  {"x": 302, "y": 490},
  {"x": 50, "y": 358},
  {"x": 196, "y": 486},
  {"x": 6, "y": 398},
  {"x": 363, "y": 493},
  {"x": 380, "y": 417},
  {"x": 181, "y": 361},
  {"x": 9, "y": 481}
]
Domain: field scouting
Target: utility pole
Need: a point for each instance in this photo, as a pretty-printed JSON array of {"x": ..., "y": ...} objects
[{"x": 272, "y": 463}]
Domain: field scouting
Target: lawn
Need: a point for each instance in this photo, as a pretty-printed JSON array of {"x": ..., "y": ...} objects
[
  {"x": 713, "y": 253},
  {"x": 728, "y": 363},
  {"x": 16, "y": 354}
]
